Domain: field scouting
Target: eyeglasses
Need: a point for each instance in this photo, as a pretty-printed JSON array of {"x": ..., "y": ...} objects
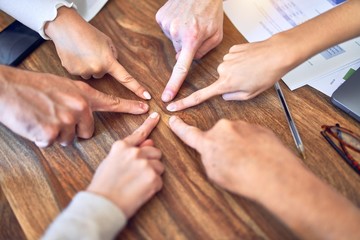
[{"x": 348, "y": 141}]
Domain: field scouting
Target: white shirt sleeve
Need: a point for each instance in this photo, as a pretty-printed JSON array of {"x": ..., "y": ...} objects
[
  {"x": 88, "y": 216},
  {"x": 36, "y": 13}
]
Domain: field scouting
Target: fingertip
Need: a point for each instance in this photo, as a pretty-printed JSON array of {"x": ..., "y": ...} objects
[
  {"x": 171, "y": 107},
  {"x": 154, "y": 115},
  {"x": 167, "y": 95},
  {"x": 144, "y": 106},
  {"x": 225, "y": 96},
  {"x": 147, "y": 95},
  {"x": 42, "y": 144},
  {"x": 139, "y": 108},
  {"x": 172, "y": 120}
]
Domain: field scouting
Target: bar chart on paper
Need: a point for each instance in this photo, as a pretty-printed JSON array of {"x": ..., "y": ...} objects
[{"x": 330, "y": 82}]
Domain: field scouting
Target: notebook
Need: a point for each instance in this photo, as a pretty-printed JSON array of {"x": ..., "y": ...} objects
[{"x": 347, "y": 96}]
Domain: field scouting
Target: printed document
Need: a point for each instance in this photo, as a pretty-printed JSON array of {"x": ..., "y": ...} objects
[{"x": 259, "y": 19}]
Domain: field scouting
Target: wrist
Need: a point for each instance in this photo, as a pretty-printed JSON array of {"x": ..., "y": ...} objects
[
  {"x": 294, "y": 48},
  {"x": 290, "y": 50},
  {"x": 273, "y": 178},
  {"x": 66, "y": 18}
]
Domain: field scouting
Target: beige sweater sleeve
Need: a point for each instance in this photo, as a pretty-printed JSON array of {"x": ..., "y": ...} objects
[{"x": 88, "y": 216}]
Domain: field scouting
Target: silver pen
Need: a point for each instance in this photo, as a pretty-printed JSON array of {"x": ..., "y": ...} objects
[{"x": 292, "y": 126}]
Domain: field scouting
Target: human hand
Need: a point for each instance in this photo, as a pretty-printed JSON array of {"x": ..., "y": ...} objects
[
  {"x": 194, "y": 27},
  {"x": 130, "y": 175},
  {"x": 239, "y": 79},
  {"x": 87, "y": 52},
  {"x": 45, "y": 108},
  {"x": 237, "y": 156}
]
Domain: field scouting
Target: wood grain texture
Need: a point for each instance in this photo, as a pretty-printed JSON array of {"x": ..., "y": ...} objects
[
  {"x": 10, "y": 227},
  {"x": 39, "y": 183}
]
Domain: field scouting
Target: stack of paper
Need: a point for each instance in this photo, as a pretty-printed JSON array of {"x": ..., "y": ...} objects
[{"x": 257, "y": 20}]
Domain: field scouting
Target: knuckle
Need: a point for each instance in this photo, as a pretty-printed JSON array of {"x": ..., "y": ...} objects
[
  {"x": 197, "y": 98},
  {"x": 51, "y": 132},
  {"x": 193, "y": 35},
  {"x": 233, "y": 48},
  {"x": 226, "y": 56},
  {"x": 141, "y": 133},
  {"x": 221, "y": 69},
  {"x": 134, "y": 152},
  {"x": 180, "y": 68},
  {"x": 143, "y": 165},
  {"x": 159, "y": 16},
  {"x": 127, "y": 78},
  {"x": 174, "y": 29},
  {"x": 224, "y": 123},
  {"x": 150, "y": 176},
  {"x": 219, "y": 37},
  {"x": 82, "y": 104},
  {"x": 97, "y": 69},
  {"x": 68, "y": 118},
  {"x": 119, "y": 145},
  {"x": 83, "y": 86}
]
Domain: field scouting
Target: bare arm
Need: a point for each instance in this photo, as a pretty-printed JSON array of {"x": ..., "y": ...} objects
[
  {"x": 276, "y": 56},
  {"x": 251, "y": 161}
]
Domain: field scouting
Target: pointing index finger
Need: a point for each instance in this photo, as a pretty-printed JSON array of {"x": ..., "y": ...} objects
[
  {"x": 101, "y": 102},
  {"x": 179, "y": 73},
  {"x": 190, "y": 135},
  {"x": 141, "y": 134},
  {"x": 122, "y": 76},
  {"x": 195, "y": 98}
]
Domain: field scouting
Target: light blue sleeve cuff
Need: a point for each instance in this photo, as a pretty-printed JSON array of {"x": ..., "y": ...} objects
[{"x": 88, "y": 216}]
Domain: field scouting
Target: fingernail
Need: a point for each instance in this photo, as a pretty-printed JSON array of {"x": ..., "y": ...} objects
[
  {"x": 64, "y": 144},
  {"x": 42, "y": 144},
  {"x": 171, "y": 107},
  {"x": 154, "y": 115},
  {"x": 167, "y": 96},
  {"x": 172, "y": 119},
  {"x": 147, "y": 95},
  {"x": 144, "y": 106},
  {"x": 225, "y": 97}
]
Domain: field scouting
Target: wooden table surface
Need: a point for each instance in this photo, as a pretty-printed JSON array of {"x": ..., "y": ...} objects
[{"x": 38, "y": 183}]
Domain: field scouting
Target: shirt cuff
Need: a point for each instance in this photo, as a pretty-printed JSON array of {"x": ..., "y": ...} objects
[{"x": 88, "y": 216}]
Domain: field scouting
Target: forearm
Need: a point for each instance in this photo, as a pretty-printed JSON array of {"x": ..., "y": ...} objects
[
  {"x": 328, "y": 29},
  {"x": 308, "y": 206}
]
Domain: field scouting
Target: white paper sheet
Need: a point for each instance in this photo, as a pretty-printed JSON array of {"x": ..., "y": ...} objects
[
  {"x": 330, "y": 82},
  {"x": 259, "y": 19}
]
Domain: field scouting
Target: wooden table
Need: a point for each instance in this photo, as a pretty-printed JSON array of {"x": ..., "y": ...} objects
[{"x": 38, "y": 183}]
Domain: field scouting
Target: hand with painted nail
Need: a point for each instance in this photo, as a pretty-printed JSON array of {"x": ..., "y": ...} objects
[
  {"x": 87, "y": 52},
  {"x": 131, "y": 174},
  {"x": 237, "y": 78},
  {"x": 251, "y": 161},
  {"x": 45, "y": 108},
  {"x": 194, "y": 27}
]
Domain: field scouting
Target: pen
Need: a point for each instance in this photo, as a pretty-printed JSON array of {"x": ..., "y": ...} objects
[{"x": 292, "y": 126}]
